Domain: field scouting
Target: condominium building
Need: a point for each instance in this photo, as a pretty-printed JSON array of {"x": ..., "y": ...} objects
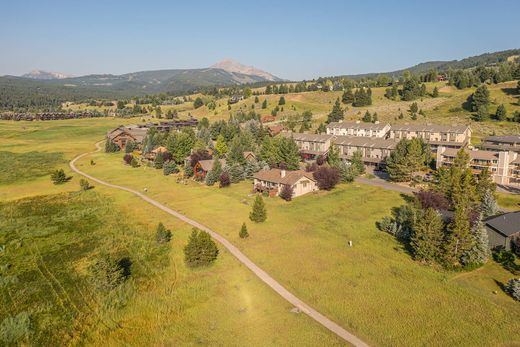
[
  {"x": 357, "y": 128},
  {"x": 454, "y": 136},
  {"x": 501, "y": 143},
  {"x": 374, "y": 150}
]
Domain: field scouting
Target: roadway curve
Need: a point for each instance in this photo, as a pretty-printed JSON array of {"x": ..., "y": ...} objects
[{"x": 264, "y": 276}]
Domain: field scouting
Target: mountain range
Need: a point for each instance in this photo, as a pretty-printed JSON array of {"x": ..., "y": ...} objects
[{"x": 45, "y": 75}]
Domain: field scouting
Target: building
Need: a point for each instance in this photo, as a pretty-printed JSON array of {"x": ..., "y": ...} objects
[
  {"x": 311, "y": 145},
  {"x": 201, "y": 169},
  {"x": 358, "y": 128},
  {"x": 504, "y": 167},
  {"x": 454, "y": 136},
  {"x": 504, "y": 231},
  {"x": 275, "y": 129},
  {"x": 273, "y": 180},
  {"x": 153, "y": 154},
  {"x": 501, "y": 143},
  {"x": 235, "y": 98},
  {"x": 124, "y": 134},
  {"x": 374, "y": 150}
]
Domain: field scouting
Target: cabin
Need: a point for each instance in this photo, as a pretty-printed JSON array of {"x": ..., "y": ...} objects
[
  {"x": 124, "y": 134},
  {"x": 153, "y": 154},
  {"x": 272, "y": 181},
  {"x": 504, "y": 231},
  {"x": 201, "y": 169}
]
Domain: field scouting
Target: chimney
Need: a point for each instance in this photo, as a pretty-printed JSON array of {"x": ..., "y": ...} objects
[{"x": 282, "y": 173}]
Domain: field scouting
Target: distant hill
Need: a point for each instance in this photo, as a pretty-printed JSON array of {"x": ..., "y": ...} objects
[
  {"x": 444, "y": 66},
  {"x": 45, "y": 75}
]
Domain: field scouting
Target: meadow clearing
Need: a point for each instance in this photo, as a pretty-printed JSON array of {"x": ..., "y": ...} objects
[{"x": 373, "y": 289}]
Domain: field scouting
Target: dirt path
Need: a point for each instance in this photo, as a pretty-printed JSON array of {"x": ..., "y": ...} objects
[{"x": 264, "y": 276}]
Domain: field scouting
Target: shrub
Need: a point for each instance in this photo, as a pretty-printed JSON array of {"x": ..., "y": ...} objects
[
  {"x": 431, "y": 199},
  {"x": 59, "y": 177},
  {"x": 320, "y": 160},
  {"x": 188, "y": 170},
  {"x": 513, "y": 288},
  {"x": 162, "y": 235},
  {"x": 111, "y": 147},
  {"x": 224, "y": 180},
  {"x": 130, "y": 147},
  {"x": 134, "y": 163},
  {"x": 170, "y": 167},
  {"x": 327, "y": 177},
  {"x": 106, "y": 273},
  {"x": 128, "y": 158},
  {"x": 84, "y": 184},
  {"x": 159, "y": 161},
  {"x": 258, "y": 213},
  {"x": 287, "y": 192},
  {"x": 14, "y": 329},
  {"x": 201, "y": 250},
  {"x": 243, "y": 232}
]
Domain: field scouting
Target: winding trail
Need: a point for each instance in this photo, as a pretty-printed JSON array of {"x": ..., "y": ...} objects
[{"x": 264, "y": 276}]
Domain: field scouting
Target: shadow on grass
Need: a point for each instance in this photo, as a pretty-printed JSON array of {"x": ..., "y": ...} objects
[{"x": 510, "y": 91}]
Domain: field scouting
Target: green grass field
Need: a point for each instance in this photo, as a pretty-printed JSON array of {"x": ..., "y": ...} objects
[{"x": 373, "y": 289}]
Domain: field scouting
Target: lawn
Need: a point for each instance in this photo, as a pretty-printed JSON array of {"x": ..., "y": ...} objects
[{"x": 373, "y": 288}]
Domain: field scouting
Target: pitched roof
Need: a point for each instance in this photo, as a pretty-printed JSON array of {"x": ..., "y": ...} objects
[
  {"x": 357, "y": 125},
  {"x": 275, "y": 176},
  {"x": 359, "y": 141},
  {"x": 506, "y": 224},
  {"x": 308, "y": 137},
  {"x": 504, "y": 139},
  {"x": 136, "y": 131},
  {"x": 430, "y": 127},
  {"x": 207, "y": 164},
  {"x": 474, "y": 154}
]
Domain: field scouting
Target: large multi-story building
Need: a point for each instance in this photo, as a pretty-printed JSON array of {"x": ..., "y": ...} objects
[
  {"x": 501, "y": 143},
  {"x": 454, "y": 136},
  {"x": 374, "y": 150},
  {"x": 311, "y": 145},
  {"x": 357, "y": 128},
  {"x": 503, "y": 166}
]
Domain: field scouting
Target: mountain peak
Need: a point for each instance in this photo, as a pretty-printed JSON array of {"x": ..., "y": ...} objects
[
  {"x": 231, "y": 65},
  {"x": 45, "y": 75}
]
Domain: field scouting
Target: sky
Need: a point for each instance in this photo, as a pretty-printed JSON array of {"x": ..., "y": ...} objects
[{"x": 291, "y": 39}]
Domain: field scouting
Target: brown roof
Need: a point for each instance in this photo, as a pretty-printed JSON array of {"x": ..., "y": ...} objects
[
  {"x": 430, "y": 127},
  {"x": 275, "y": 176},
  {"x": 135, "y": 131},
  {"x": 160, "y": 149},
  {"x": 308, "y": 137},
  {"x": 207, "y": 164},
  {"x": 512, "y": 139},
  {"x": 361, "y": 141},
  {"x": 479, "y": 155}
]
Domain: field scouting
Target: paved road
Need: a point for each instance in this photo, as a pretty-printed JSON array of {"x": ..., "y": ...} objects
[
  {"x": 264, "y": 276},
  {"x": 378, "y": 182}
]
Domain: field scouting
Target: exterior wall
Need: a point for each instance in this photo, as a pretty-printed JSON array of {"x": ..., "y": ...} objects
[
  {"x": 303, "y": 186},
  {"x": 497, "y": 240},
  {"x": 434, "y": 136},
  {"x": 357, "y": 131},
  {"x": 122, "y": 139},
  {"x": 313, "y": 145}
]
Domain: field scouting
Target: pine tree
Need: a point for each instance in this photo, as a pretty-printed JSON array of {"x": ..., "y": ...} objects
[
  {"x": 480, "y": 98},
  {"x": 288, "y": 153},
  {"x": 482, "y": 114},
  {"x": 321, "y": 129},
  {"x": 159, "y": 161},
  {"x": 333, "y": 158},
  {"x": 357, "y": 163},
  {"x": 59, "y": 177},
  {"x": 428, "y": 235},
  {"x": 258, "y": 213},
  {"x": 479, "y": 253},
  {"x": 435, "y": 93},
  {"x": 264, "y": 104},
  {"x": 281, "y": 101},
  {"x": 235, "y": 153},
  {"x": 216, "y": 170},
  {"x": 256, "y": 100},
  {"x": 243, "y": 232},
  {"x": 201, "y": 250},
  {"x": 501, "y": 113},
  {"x": 336, "y": 114},
  {"x": 162, "y": 235},
  {"x": 367, "y": 118},
  {"x": 375, "y": 118},
  {"x": 348, "y": 96},
  {"x": 489, "y": 206},
  {"x": 413, "y": 110}
]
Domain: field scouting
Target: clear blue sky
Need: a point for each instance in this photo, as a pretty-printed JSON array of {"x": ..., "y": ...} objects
[{"x": 291, "y": 39}]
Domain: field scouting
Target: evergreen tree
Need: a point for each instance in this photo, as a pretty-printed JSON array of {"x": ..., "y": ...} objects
[
  {"x": 201, "y": 250},
  {"x": 59, "y": 177},
  {"x": 170, "y": 167},
  {"x": 501, "y": 113},
  {"x": 348, "y": 96},
  {"x": 281, "y": 101},
  {"x": 110, "y": 147},
  {"x": 130, "y": 147},
  {"x": 258, "y": 213},
  {"x": 367, "y": 118},
  {"x": 435, "y": 93},
  {"x": 484, "y": 184},
  {"x": 243, "y": 232},
  {"x": 357, "y": 163},
  {"x": 408, "y": 157},
  {"x": 336, "y": 114},
  {"x": 213, "y": 176},
  {"x": 256, "y": 100},
  {"x": 162, "y": 235},
  {"x": 413, "y": 110},
  {"x": 321, "y": 129},
  {"x": 482, "y": 114},
  {"x": 264, "y": 104},
  {"x": 513, "y": 288},
  {"x": 198, "y": 103},
  {"x": 428, "y": 235},
  {"x": 159, "y": 161},
  {"x": 489, "y": 206},
  {"x": 479, "y": 253},
  {"x": 333, "y": 158},
  {"x": 288, "y": 153},
  {"x": 375, "y": 118},
  {"x": 480, "y": 98},
  {"x": 221, "y": 146},
  {"x": 235, "y": 153}
]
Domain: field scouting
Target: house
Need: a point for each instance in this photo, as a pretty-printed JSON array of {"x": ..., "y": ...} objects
[
  {"x": 504, "y": 231},
  {"x": 235, "y": 98},
  {"x": 454, "y": 136},
  {"x": 123, "y": 134},
  {"x": 201, "y": 169},
  {"x": 358, "y": 128},
  {"x": 275, "y": 129},
  {"x": 273, "y": 180},
  {"x": 504, "y": 167},
  {"x": 374, "y": 150},
  {"x": 153, "y": 154},
  {"x": 249, "y": 156},
  {"x": 311, "y": 145},
  {"x": 501, "y": 143}
]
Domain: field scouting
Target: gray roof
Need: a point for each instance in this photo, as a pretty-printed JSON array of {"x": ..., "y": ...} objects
[
  {"x": 506, "y": 224},
  {"x": 503, "y": 139},
  {"x": 361, "y": 141},
  {"x": 308, "y": 137},
  {"x": 430, "y": 127},
  {"x": 357, "y": 125}
]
